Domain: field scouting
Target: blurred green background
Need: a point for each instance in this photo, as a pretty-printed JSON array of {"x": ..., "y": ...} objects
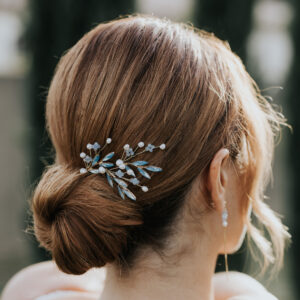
[{"x": 34, "y": 34}]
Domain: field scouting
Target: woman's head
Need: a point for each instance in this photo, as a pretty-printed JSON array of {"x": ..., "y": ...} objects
[{"x": 142, "y": 78}]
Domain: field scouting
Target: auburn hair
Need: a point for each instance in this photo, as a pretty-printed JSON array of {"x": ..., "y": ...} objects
[{"x": 142, "y": 78}]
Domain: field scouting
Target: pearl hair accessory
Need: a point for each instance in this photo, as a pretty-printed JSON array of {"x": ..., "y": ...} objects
[{"x": 122, "y": 168}]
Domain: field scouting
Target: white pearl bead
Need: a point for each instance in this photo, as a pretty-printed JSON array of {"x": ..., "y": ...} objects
[
  {"x": 119, "y": 162},
  {"x": 126, "y": 147},
  {"x": 224, "y": 223},
  {"x": 83, "y": 170},
  {"x": 89, "y": 146},
  {"x": 141, "y": 144},
  {"x": 108, "y": 140},
  {"x": 122, "y": 166},
  {"x": 101, "y": 170},
  {"x": 162, "y": 146},
  {"x": 144, "y": 188},
  {"x": 82, "y": 155},
  {"x": 130, "y": 172}
]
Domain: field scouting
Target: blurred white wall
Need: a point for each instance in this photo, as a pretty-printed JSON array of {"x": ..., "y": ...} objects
[
  {"x": 173, "y": 9},
  {"x": 12, "y": 61}
]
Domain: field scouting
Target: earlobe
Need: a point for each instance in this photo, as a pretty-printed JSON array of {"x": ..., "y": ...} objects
[{"x": 217, "y": 178}]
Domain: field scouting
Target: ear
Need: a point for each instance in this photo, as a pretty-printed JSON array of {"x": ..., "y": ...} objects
[{"x": 217, "y": 178}]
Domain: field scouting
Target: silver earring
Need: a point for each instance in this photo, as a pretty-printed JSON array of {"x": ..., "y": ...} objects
[
  {"x": 224, "y": 224},
  {"x": 224, "y": 217}
]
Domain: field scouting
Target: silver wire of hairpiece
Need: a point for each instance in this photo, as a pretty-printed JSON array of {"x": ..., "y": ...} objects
[{"x": 123, "y": 166}]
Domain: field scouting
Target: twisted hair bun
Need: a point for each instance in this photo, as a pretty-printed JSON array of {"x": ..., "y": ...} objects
[{"x": 77, "y": 219}]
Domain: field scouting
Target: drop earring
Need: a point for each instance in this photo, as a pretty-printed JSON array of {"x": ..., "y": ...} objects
[{"x": 224, "y": 224}]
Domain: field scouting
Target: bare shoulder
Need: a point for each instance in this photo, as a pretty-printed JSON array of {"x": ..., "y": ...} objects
[
  {"x": 42, "y": 278},
  {"x": 239, "y": 286},
  {"x": 68, "y": 295}
]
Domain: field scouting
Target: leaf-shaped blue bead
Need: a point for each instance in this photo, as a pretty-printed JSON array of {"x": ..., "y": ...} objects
[
  {"x": 139, "y": 163},
  {"x": 107, "y": 165},
  {"x": 121, "y": 193},
  {"x": 94, "y": 171},
  {"x": 96, "y": 159},
  {"x": 144, "y": 173},
  {"x": 108, "y": 156},
  {"x": 109, "y": 180},
  {"x": 129, "y": 194},
  {"x": 120, "y": 182},
  {"x": 153, "y": 168}
]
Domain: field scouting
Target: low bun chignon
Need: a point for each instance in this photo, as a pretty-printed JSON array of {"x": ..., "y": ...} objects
[{"x": 80, "y": 219}]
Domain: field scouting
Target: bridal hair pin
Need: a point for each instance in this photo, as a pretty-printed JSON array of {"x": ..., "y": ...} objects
[{"x": 123, "y": 166}]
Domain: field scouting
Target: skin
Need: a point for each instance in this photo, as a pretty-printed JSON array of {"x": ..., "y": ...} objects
[{"x": 189, "y": 276}]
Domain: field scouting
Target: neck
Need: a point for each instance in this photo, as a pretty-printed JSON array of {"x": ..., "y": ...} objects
[{"x": 190, "y": 277}]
